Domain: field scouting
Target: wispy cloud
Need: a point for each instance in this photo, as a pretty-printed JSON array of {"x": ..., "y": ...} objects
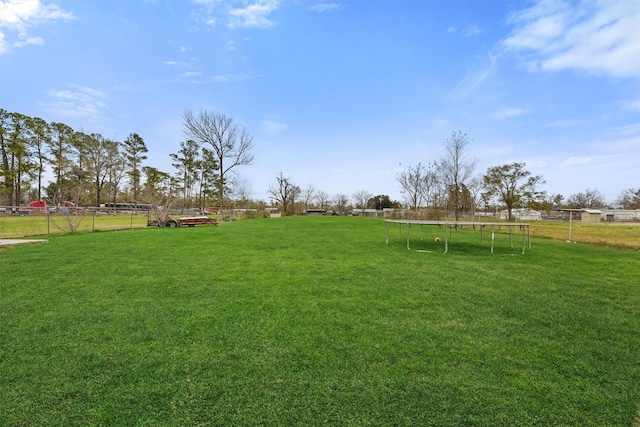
[
  {"x": 598, "y": 37},
  {"x": 507, "y": 113},
  {"x": 468, "y": 31},
  {"x": 564, "y": 123},
  {"x": 76, "y": 102},
  {"x": 237, "y": 13},
  {"x": 631, "y": 104},
  {"x": 325, "y": 7},
  {"x": 18, "y": 16},
  {"x": 632, "y": 129},
  {"x": 254, "y": 15},
  {"x": 270, "y": 126},
  {"x": 572, "y": 161},
  {"x": 476, "y": 75},
  {"x": 471, "y": 30}
]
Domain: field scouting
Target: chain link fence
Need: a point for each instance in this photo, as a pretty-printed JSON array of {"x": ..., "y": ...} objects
[{"x": 20, "y": 221}]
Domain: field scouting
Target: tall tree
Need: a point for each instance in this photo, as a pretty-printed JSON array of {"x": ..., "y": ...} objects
[
  {"x": 511, "y": 184},
  {"x": 229, "y": 143},
  {"x": 134, "y": 153},
  {"x": 186, "y": 160},
  {"x": 39, "y": 139},
  {"x": 6, "y": 174},
  {"x": 456, "y": 169},
  {"x": 100, "y": 155},
  {"x": 60, "y": 151},
  {"x": 156, "y": 184},
  {"x": 207, "y": 168},
  {"x": 117, "y": 171},
  {"x": 285, "y": 193},
  {"x": 19, "y": 157}
]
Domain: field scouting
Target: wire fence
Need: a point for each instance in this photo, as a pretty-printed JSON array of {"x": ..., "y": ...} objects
[{"x": 16, "y": 222}]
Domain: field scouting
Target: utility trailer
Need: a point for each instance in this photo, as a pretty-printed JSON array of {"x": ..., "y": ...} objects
[{"x": 189, "y": 221}]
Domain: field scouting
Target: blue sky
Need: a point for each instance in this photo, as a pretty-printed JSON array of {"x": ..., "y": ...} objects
[{"x": 341, "y": 94}]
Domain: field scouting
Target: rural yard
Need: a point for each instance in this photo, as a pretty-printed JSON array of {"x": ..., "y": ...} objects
[{"x": 316, "y": 320}]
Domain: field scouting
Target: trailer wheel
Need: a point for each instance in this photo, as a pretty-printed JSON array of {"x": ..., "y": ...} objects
[{"x": 172, "y": 223}]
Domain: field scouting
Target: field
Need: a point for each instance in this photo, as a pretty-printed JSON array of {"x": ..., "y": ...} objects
[
  {"x": 613, "y": 235},
  {"x": 315, "y": 320}
]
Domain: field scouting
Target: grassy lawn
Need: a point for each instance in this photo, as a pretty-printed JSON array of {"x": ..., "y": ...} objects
[{"x": 315, "y": 320}]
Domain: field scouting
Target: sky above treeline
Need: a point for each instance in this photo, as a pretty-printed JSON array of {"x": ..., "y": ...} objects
[{"x": 342, "y": 95}]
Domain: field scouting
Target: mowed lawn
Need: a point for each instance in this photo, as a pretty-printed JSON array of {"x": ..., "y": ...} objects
[{"x": 316, "y": 320}]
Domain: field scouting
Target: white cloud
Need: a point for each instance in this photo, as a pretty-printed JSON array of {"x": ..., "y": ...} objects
[
  {"x": 598, "y": 37},
  {"x": 325, "y": 7},
  {"x": 78, "y": 102},
  {"x": 507, "y": 113},
  {"x": 451, "y": 29},
  {"x": 17, "y": 16},
  {"x": 254, "y": 15}
]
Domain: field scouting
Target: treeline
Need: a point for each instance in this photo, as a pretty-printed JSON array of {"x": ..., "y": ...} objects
[{"x": 89, "y": 169}]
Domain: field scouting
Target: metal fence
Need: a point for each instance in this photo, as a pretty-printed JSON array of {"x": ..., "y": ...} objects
[{"x": 18, "y": 221}]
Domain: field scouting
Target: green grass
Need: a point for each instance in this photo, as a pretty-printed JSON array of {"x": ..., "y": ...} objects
[{"x": 308, "y": 321}]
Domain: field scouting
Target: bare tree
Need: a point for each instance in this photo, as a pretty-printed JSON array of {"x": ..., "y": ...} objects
[
  {"x": 417, "y": 185},
  {"x": 361, "y": 197},
  {"x": 285, "y": 193},
  {"x": 475, "y": 192},
  {"x": 242, "y": 191},
  {"x": 308, "y": 195},
  {"x": 589, "y": 199},
  {"x": 341, "y": 202},
  {"x": 629, "y": 198},
  {"x": 455, "y": 169},
  {"x": 322, "y": 198},
  {"x": 229, "y": 143}
]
